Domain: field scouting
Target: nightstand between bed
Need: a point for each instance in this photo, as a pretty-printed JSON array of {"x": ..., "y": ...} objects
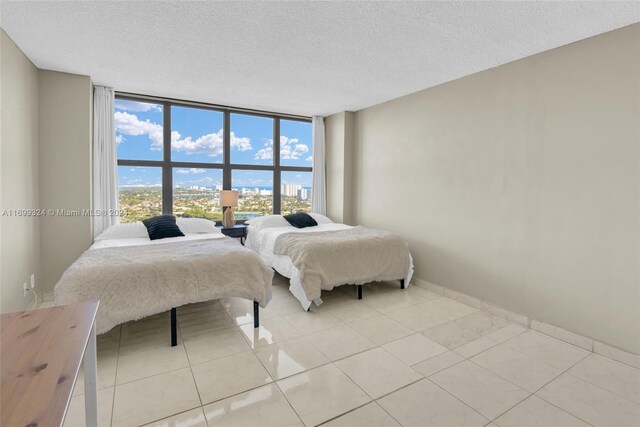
[{"x": 238, "y": 231}]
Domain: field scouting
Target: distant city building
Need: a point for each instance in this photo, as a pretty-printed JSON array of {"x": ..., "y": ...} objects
[
  {"x": 291, "y": 190},
  {"x": 303, "y": 194}
]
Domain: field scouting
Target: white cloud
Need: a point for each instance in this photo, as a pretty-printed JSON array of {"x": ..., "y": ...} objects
[
  {"x": 309, "y": 159},
  {"x": 266, "y": 153},
  {"x": 135, "y": 106},
  {"x": 210, "y": 144},
  {"x": 191, "y": 171},
  {"x": 129, "y": 124},
  {"x": 241, "y": 143},
  {"x": 290, "y": 149}
]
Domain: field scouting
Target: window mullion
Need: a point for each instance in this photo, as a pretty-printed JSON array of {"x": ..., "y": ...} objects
[
  {"x": 226, "y": 171},
  {"x": 167, "y": 172},
  {"x": 277, "y": 205}
]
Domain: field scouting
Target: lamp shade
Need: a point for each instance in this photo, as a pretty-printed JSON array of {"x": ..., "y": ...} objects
[{"x": 229, "y": 198}]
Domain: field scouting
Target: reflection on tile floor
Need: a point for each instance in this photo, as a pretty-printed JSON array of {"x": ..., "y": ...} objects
[{"x": 397, "y": 357}]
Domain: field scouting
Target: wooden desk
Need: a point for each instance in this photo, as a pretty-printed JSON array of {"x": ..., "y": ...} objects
[{"x": 40, "y": 354}]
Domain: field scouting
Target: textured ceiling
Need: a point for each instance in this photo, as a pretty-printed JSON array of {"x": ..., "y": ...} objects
[{"x": 301, "y": 58}]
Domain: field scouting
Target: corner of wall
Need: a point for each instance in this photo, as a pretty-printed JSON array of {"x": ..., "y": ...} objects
[
  {"x": 349, "y": 141},
  {"x": 19, "y": 176},
  {"x": 65, "y": 141}
]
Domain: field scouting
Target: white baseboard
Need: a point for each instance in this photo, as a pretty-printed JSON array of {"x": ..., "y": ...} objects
[
  {"x": 487, "y": 307},
  {"x": 562, "y": 334},
  {"x": 587, "y": 343},
  {"x": 621, "y": 356}
]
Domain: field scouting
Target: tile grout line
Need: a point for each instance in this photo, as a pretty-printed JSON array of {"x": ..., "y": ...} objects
[
  {"x": 601, "y": 388},
  {"x": 305, "y": 336},
  {"x": 529, "y": 322},
  {"x": 468, "y": 359},
  {"x": 396, "y": 390},
  {"x": 237, "y": 327},
  {"x": 178, "y": 413},
  {"x": 195, "y": 383},
  {"x": 329, "y": 362},
  {"x": 274, "y": 382},
  {"x": 540, "y": 388},
  {"x": 204, "y": 414},
  {"x": 376, "y": 345},
  {"x": 319, "y": 366},
  {"x": 455, "y": 397},
  {"x": 482, "y": 367},
  {"x": 348, "y": 412},
  {"x": 115, "y": 378}
]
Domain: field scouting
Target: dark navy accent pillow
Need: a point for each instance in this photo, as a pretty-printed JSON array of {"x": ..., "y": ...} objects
[
  {"x": 301, "y": 220},
  {"x": 162, "y": 226}
]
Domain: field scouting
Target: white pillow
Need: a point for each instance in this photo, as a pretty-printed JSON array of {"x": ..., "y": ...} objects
[
  {"x": 129, "y": 230},
  {"x": 267, "y": 221},
  {"x": 196, "y": 225},
  {"x": 320, "y": 219}
]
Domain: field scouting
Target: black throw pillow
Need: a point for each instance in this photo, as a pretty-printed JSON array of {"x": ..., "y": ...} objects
[
  {"x": 301, "y": 220},
  {"x": 162, "y": 226}
]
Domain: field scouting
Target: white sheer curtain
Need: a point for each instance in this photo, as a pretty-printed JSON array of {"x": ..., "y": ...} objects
[
  {"x": 105, "y": 164},
  {"x": 318, "y": 193}
]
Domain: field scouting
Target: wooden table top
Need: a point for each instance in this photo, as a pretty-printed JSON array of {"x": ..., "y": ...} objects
[{"x": 40, "y": 356}]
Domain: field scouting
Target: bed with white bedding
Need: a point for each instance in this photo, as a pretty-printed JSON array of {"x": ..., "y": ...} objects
[
  {"x": 134, "y": 277},
  {"x": 328, "y": 255}
]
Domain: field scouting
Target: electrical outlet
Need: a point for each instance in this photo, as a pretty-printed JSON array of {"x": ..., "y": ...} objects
[
  {"x": 25, "y": 289},
  {"x": 33, "y": 281}
]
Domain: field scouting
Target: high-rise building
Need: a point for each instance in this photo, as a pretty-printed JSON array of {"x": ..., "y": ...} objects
[
  {"x": 290, "y": 190},
  {"x": 303, "y": 194}
]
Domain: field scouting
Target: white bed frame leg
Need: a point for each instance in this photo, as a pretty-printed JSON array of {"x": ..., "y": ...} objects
[{"x": 91, "y": 380}]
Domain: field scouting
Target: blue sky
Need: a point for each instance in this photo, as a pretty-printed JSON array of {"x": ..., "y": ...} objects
[{"x": 196, "y": 136}]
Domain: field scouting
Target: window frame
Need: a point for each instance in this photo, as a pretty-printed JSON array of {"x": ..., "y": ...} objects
[{"x": 167, "y": 164}]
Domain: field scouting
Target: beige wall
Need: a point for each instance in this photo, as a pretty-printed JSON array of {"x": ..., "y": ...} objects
[
  {"x": 46, "y": 163},
  {"x": 65, "y": 105},
  {"x": 338, "y": 158},
  {"x": 520, "y": 185},
  {"x": 19, "y": 236}
]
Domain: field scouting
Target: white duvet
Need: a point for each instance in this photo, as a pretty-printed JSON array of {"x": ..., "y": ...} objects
[
  {"x": 263, "y": 242},
  {"x": 136, "y": 277}
]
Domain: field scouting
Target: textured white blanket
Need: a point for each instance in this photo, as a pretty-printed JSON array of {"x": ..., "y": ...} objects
[
  {"x": 133, "y": 282},
  {"x": 356, "y": 255}
]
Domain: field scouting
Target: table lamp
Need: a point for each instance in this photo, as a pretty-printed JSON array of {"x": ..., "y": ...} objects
[{"x": 229, "y": 200}]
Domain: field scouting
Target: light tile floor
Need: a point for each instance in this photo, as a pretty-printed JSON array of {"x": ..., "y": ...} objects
[{"x": 397, "y": 357}]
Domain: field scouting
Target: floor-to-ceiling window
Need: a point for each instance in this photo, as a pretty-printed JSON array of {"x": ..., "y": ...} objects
[{"x": 175, "y": 157}]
